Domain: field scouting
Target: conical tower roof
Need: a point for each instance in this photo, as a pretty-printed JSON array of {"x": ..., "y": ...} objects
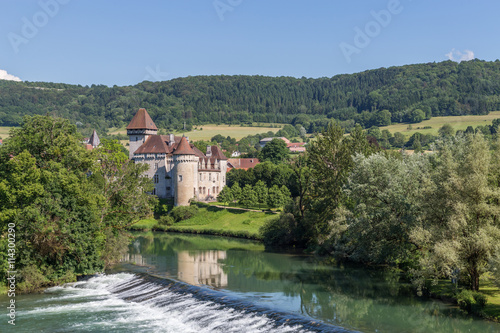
[
  {"x": 142, "y": 120},
  {"x": 184, "y": 148},
  {"x": 94, "y": 139}
]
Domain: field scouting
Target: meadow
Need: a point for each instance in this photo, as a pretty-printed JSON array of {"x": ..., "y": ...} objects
[
  {"x": 457, "y": 122},
  {"x": 4, "y": 132},
  {"x": 206, "y": 132},
  {"x": 215, "y": 221}
]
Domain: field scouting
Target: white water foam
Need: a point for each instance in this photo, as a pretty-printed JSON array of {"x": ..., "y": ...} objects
[{"x": 125, "y": 303}]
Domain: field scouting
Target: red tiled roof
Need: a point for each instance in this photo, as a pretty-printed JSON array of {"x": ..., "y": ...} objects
[
  {"x": 155, "y": 144},
  {"x": 295, "y": 144},
  {"x": 184, "y": 148},
  {"x": 142, "y": 120},
  {"x": 216, "y": 152},
  {"x": 242, "y": 163}
]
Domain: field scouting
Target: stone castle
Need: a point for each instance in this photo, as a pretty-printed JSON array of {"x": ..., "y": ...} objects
[{"x": 179, "y": 170}]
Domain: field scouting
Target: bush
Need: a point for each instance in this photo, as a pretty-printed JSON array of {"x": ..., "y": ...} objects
[
  {"x": 471, "y": 301},
  {"x": 182, "y": 213},
  {"x": 278, "y": 232},
  {"x": 32, "y": 279},
  {"x": 166, "y": 220}
]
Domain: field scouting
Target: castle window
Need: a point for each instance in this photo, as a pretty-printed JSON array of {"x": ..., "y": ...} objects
[
  {"x": 136, "y": 138},
  {"x": 154, "y": 191},
  {"x": 156, "y": 179},
  {"x": 200, "y": 176},
  {"x": 209, "y": 176},
  {"x": 156, "y": 166},
  {"x": 180, "y": 178},
  {"x": 199, "y": 190},
  {"x": 213, "y": 190}
]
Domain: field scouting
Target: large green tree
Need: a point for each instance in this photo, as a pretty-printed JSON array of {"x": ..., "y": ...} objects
[
  {"x": 66, "y": 203},
  {"x": 275, "y": 151},
  {"x": 385, "y": 193},
  {"x": 462, "y": 208}
]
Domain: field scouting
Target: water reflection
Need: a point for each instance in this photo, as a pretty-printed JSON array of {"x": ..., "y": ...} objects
[
  {"x": 202, "y": 268},
  {"x": 359, "y": 298}
]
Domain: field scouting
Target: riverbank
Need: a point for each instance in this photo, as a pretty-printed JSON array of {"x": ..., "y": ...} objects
[
  {"x": 446, "y": 292},
  {"x": 212, "y": 220}
]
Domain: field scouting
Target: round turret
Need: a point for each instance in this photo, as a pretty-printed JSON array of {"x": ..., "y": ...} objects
[{"x": 186, "y": 169}]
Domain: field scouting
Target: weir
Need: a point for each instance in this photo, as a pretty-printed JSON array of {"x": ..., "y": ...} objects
[{"x": 212, "y": 310}]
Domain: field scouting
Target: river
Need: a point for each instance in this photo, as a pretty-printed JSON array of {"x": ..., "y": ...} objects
[{"x": 192, "y": 283}]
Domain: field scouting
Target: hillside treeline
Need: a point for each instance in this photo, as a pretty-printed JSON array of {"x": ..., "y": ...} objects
[{"x": 377, "y": 97}]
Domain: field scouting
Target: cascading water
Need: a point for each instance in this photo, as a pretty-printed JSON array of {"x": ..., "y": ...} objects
[{"x": 141, "y": 303}]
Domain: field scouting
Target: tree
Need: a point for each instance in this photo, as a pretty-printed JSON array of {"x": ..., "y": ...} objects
[
  {"x": 416, "y": 116},
  {"x": 398, "y": 140},
  {"x": 248, "y": 196},
  {"x": 274, "y": 151},
  {"x": 385, "y": 193},
  {"x": 446, "y": 131},
  {"x": 330, "y": 160},
  {"x": 275, "y": 199},
  {"x": 67, "y": 206},
  {"x": 226, "y": 195},
  {"x": 123, "y": 187},
  {"x": 260, "y": 190},
  {"x": 236, "y": 191},
  {"x": 382, "y": 118},
  {"x": 462, "y": 229}
]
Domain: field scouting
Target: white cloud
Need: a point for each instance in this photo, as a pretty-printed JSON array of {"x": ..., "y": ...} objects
[
  {"x": 458, "y": 56},
  {"x": 6, "y": 76}
]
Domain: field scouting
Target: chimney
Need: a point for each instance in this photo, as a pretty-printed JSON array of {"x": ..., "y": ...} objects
[
  {"x": 171, "y": 140},
  {"x": 209, "y": 151}
]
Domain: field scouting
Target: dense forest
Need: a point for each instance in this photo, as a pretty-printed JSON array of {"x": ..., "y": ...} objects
[{"x": 377, "y": 97}]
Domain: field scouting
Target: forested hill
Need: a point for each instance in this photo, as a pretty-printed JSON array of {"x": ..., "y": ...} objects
[{"x": 409, "y": 93}]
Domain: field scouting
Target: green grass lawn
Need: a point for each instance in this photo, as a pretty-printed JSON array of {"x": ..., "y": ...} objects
[
  {"x": 457, "y": 122},
  {"x": 447, "y": 291},
  {"x": 215, "y": 221},
  {"x": 492, "y": 309},
  {"x": 206, "y": 132}
]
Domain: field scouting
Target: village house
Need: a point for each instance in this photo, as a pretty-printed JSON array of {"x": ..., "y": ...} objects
[{"x": 179, "y": 170}]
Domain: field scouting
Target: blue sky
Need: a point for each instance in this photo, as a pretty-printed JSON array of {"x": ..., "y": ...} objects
[{"x": 125, "y": 42}]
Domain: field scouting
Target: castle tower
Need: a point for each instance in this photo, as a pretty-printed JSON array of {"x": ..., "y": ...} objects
[
  {"x": 186, "y": 170},
  {"x": 140, "y": 128}
]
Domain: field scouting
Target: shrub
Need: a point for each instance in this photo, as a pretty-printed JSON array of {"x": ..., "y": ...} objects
[
  {"x": 32, "y": 279},
  {"x": 182, "y": 213},
  {"x": 166, "y": 220},
  {"x": 471, "y": 301},
  {"x": 278, "y": 232}
]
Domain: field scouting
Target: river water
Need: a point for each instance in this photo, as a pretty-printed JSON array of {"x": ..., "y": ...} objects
[{"x": 191, "y": 283}]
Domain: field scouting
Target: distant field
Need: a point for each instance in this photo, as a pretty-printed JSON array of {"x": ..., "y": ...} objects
[
  {"x": 211, "y": 130},
  {"x": 4, "y": 132},
  {"x": 457, "y": 122}
]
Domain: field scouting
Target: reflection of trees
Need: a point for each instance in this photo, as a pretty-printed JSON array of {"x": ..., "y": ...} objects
[{"x": 366, "y": 299}]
